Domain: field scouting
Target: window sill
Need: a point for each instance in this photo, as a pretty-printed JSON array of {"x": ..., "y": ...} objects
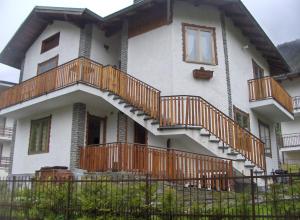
[
  {"x": 200, "y": 63},
  {"x": 37, "y": 153}
]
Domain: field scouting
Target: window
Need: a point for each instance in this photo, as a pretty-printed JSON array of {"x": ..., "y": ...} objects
[
  {"x": 50, "y": 42},
  {"x": 199, "y": 44},
  {"x": 96, "y": 130},
  {"x": 242, "y": 118},
  {"x": 2, "y": 123},
  {"x": 258, "y": 72},
  {"x": 39, "y": 136},
  {"x": 265, "y": 136},
  {"x": 47, "y": 65}
]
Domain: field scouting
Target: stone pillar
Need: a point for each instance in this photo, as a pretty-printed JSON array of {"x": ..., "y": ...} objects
[
  {"x": 124, "y": 46},
  {"x": 227, "y": 69},
  {"x": 78, "y": 132},
  {"x": 122, "y": 127},
  {"x": 85, "y": 41}
]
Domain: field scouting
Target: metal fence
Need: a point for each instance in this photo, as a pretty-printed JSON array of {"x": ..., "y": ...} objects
[{"x": 119, "y": 196}]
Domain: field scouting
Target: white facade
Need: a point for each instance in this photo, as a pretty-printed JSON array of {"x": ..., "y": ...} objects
[{"x": 155, "y": 57}]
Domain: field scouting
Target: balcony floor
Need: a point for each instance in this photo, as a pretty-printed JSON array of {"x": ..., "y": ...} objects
[{"x": 271, "y": 110}]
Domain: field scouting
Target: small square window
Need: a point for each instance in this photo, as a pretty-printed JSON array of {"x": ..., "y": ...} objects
[
  {"x": 199, "y": 44},
  {"x": 50, "y": 42},
  {"x": 39, "y": 136}
]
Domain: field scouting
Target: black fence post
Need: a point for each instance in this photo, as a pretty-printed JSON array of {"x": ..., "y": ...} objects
[
  {"x": 147, "y": 195},
  {"x": 68, "y": 199},
  {"x": 252, "y": 194},
  {"x": 12, "y": 197}
]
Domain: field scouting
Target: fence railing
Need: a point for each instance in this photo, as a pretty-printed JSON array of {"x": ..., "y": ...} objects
[
  {"x": 193, "y": 111},
  {"x": 296, "y": 101},
  {"x": 6, "y": 132},
  {"x": 4, "y": 162},
  {"x": 157, "y": 162},
  {"x": 84, "y": 70},
  {"x": 289, "y": 140},
  {"x": 137, "y": 197},
  {"x": 266, "y": 88}
]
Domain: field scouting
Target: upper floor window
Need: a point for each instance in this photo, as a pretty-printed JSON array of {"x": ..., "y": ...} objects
[
  {"x": 265, "y": 136},
  {"x": 242, "y": 118},
  {"x": 39, "y": 136},
  {"x": 258, "y": 71},
  {"x": 199, "y": 44},
  {"x": 50, "y": 42},
  {"x": 47, "y": 65}
]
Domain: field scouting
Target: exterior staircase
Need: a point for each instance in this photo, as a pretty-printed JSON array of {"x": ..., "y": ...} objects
[{"x": 188, "y": 116}]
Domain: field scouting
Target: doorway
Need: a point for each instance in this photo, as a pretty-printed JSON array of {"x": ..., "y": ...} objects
[
  {"x": 140, "y": 134},
  {"x": 258, "y": 72},
  {"x": 96, "y": 130}
]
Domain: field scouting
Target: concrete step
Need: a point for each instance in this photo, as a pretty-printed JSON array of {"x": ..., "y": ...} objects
[
  {"x": 133, "y": 110},
  {"x": 204, "y": 132},
  {"x": 223, "y": 147},
  {"x": 232, "y": 153},
  {"x": 141, "y": 113},
  {"x": 155, "y": 122},
  {"x": 110, "y": 94},
  {"x": 128, "y": 106},
  {"x": 122, "y": 102},
  {"x": 258, "y": 172},
  {"x": 147, "y": 118},
  {"x": 214, "y": 139},
  {"x": 116, "y": 97}
]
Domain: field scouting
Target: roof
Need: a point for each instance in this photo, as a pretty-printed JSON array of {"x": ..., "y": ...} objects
[{"x": 39, "y": 18}]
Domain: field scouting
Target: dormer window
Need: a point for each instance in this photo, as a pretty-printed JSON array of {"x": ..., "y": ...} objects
[
  {"x": 199, "y": 44},
  {"x": 50, "y": 42}
]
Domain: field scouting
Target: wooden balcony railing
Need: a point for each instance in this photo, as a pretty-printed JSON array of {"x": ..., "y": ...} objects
[
  {"x": 268, "y": 88},
  {"x": 6, "y": 132},
  {"x": 83, "y": 70},
  {"x": 193, "y": 111},
  {"x": 296, "y": 102},
  {"x": 158, "y": 162},
  {"x": 289, "y": 140}
]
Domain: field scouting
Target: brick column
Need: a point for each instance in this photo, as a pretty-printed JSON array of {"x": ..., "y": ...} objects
[
  {"x": 124, "y": 46},
  {"x": 85, "y": 41},
  {"x": 78, "y": 132}
]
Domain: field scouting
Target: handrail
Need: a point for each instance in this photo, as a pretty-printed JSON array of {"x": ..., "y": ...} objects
[
  {"x": 156, "y": 161},
  {"x": 266, "y": 88},
  {"x": 4, "y": 162},
  {"x": 194, "y": 111},
  {"x": 83, "y": 70}
]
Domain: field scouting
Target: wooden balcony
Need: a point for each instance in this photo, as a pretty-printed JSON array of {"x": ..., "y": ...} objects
[
  {"x": 83, "y": 70},
  {"x": 267, "y": 88},
  {"x": 157, "y": 162}
]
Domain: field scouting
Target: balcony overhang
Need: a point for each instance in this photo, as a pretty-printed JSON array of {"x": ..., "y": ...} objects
[
  {"x": 290, "y": 149},
  {"x": 271, "y": 110},
  {"x": 57, "y": 99},
  {"x": 297, "y": 112}
]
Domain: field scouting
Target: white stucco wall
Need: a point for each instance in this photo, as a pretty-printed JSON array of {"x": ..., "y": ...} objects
[
  {"x": 59, "y": 145},
  {"x": 67, "y": 49},
  {"x": 110, "y": 56}
]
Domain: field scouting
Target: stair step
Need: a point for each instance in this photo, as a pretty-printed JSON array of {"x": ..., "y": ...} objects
[
  {"x": 121, "y": 102},
  {"x": 110, "y": 94},
  {"x": 127, "y": 106},
  {"x": 232, "y": 153},
  {"x": 204, "y": 133},
  {"x": 223, "y": 147},
  {"x": 214, "y": 139},
  {"x": 249, "y": 165},
  {"x": 116, "y": 98},
  {"x": 258, "y": 172},
  {"x": 133, "y": 110},
  {"x": 141, "y": 114},
  {"x": 147, "y": 118},
  {"x": 155, "y": 122},
  {"x": 240, "y": 159}
]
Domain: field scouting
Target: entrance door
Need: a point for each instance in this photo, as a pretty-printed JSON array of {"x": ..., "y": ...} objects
[
  {"x": 95, "y": 130},
  {"x": 140, "y": 134},
  {"x": 265, "y": 136}
]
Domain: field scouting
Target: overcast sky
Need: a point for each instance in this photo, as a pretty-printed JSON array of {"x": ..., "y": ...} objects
[{"x": 279, "y": 18}]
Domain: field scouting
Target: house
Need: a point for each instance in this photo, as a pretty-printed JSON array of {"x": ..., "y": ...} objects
[
  {"x": 290, "y": 139},
  {"x": 168, "y": 87},
  {"x": 6, "y": 136}
]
